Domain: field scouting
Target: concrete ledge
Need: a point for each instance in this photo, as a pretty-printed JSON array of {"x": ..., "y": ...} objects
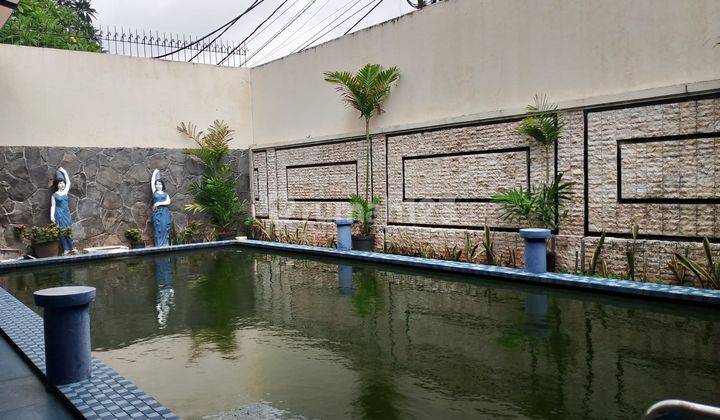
[
  {"x": 72, "y": 259},
  {"x": 106, "y": 395},
  {"x": 592, "y": 284}
]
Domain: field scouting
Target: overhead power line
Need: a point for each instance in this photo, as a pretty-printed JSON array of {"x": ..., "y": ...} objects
[
  {"x": 292, "y": 20},
  {"x": 252, "y": 38},
  {"x": 363, "y": 17},
  {"x": 335, "y": 27},
  {"x": 251, "y": 33},
  {"x": 344, "y": 9},
  {"x": 225, "y": 26},
  {"x": 292, "y": 34}
]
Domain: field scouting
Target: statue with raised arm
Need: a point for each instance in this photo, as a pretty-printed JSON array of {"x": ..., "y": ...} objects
[
  {"x": 161, "y": 212},
  {"x": 60, "y": 208}
]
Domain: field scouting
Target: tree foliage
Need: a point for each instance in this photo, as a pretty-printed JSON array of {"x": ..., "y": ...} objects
[
  {"x": 45, "y": 23},
  {"x": 215, "y": 195},
  {"x": 366, "y": 91}
]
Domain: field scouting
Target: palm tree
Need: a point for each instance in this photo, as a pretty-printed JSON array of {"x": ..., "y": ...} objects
[
  {"x": 365, "y": 91},
  {"x": 544, "y": 125}
]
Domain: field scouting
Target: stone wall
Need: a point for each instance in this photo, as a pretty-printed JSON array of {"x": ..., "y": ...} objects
[
  {"x": 110, "y": 188},
  {"x": 654, "y": 164}
]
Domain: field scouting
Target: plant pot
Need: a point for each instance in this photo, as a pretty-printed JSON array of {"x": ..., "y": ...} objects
[
  {"x": 363, "y": 243},
  {"x": 46, "y": 249},
  {"x": 137, "y": 244},
  {"x": 550, "y": 261}
]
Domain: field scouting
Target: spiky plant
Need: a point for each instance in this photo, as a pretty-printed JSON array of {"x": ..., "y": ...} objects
[
  {"x": 488, "y": 247},
  {"x": 215, "y": 195},
  {"x": 709, "y": 276},
  {"x": 596, "y": 255},
  {"x": 365, "y": 91},
  {"x": 631, "y": 252},
  {"x": 544, "y": 125}
]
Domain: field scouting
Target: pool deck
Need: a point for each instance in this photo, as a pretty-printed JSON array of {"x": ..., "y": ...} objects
[{"x": 22, "y": 392}]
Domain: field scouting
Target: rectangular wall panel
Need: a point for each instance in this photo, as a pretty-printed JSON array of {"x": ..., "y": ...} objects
[{"x": 654, "y": 166}]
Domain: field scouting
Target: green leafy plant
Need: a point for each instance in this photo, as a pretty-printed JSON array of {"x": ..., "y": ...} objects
[
  {"x": 631, "y": 252},
  {"x": 596, "y": 255},
  {"x": 133, "y": 234},
  {"x": 541, "y": 207},
  {"x": 709, "y": 275},
  {"x": 488, "y": 247},
  {"x": 50, "y": 24},
  {"x": 363, "y": 212},
  {"x": 215, "y": 195},
  {"x": 39, "y": 234},
  {"x": 544, "y": 125},
  {"x": 365, "y": 91}
]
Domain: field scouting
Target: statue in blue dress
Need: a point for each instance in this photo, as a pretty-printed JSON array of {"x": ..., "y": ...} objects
[
  {"x": 161, "y": 212},
  {"x": 60, "y": 208}
]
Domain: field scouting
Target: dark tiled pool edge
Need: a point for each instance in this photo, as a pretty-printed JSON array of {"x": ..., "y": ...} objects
[
  {"x": 596, "y": 284},
  {"x": 106, "y": 395},
  {"x": 71, "y": 259}
]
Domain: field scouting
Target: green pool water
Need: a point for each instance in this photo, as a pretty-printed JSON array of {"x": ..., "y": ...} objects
[{"x": 236, "y": 333}]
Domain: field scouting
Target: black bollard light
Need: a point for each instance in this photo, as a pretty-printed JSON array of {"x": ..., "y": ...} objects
[{"x": 66, "y": 318}]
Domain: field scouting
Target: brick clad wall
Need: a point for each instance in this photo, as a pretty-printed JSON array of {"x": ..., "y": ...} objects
[{"x": 655, "y": 165}]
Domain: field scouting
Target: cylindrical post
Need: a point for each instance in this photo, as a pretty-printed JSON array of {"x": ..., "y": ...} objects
[
  {"x": 535, "y": 252},
  {"x": 344, "y": 234},
  {"x": 66, "y": 318}
]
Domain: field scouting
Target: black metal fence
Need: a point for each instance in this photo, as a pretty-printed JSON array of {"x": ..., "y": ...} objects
[
  {"x": 152, "y": 44},
  {"x": 131, "y": 43}
]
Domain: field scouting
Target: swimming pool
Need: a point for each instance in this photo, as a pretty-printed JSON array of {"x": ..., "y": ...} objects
[{"x": 238, "y": 331}]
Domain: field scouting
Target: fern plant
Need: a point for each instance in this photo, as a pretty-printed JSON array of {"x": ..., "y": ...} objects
[{"x": 215, "y": 194}]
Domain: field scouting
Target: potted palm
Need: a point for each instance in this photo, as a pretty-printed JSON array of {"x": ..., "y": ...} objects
[
  {"x": 134, "y": 236},
  {"x": 542, "y": 206},
  {"x": 45, "y": 241},
  {"x": 365, "y": 91},
  {"x": 215, "y": 195}
]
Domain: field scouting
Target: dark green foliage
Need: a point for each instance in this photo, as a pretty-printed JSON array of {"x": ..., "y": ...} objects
[
  {"x": 47, "y": 24},
  {"x": 363, "y": 212},
  {"x": 39, "y": 234},
  {"x": 215, "y": 195},
  {"x": 133, "y": 234}
]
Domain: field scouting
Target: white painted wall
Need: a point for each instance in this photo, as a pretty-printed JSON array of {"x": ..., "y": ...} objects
[
  {"x": 463, "y": 58},
  {"x": 65, "y": 98}
]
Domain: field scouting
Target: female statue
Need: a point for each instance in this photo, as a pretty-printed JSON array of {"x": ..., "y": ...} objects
[
  {"x": 60, "y": 208},
  {"x": 161, "y": 212}
]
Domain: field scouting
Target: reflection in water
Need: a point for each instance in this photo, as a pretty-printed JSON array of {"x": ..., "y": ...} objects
[
  {"x": 228, "y": 331},
  {"x": 345, "y": 283},
  {"x": 166, "y": 294},
  {"x": 536, "y": 310}
]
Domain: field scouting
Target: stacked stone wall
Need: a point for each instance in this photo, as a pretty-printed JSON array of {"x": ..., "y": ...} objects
[{"x": 110, "y": 188}]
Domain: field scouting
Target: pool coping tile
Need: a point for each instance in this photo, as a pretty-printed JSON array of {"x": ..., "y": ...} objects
[
  {"x": 574, "y": 281},
  {"x": 23, "y": 329}
]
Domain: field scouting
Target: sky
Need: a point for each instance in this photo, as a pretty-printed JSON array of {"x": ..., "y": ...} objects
[{"x": 200, "y": 17}]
